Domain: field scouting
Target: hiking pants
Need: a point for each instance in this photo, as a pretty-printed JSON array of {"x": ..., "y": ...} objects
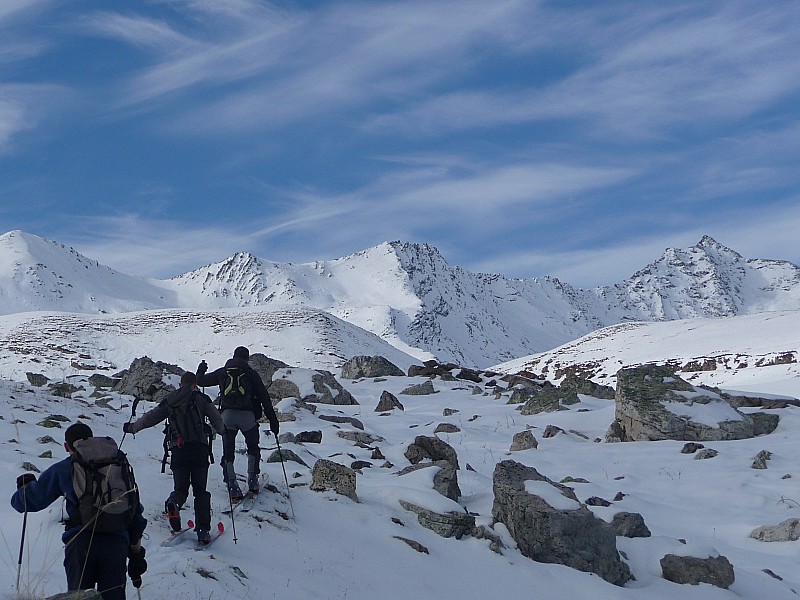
[
  {"x": 98, "y": 560},
  {"x": 190, "y": 467},
  {"x": 236, "y": 421}
]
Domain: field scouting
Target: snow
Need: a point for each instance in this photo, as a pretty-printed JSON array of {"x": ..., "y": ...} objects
[
  {"x": 551, "y": 494},
  {"x": 335, "y": 548}
]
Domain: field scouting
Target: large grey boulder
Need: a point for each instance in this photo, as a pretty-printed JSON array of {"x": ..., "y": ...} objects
[
  {"x": 550, "y": 525},
  {"x": 370, "y": 366},
  {"x": 329, "y": 475},
  {"x": 144, "y": 379},
  {"x": 716, "y": 570},
  {"x": 652, "y": 403}
]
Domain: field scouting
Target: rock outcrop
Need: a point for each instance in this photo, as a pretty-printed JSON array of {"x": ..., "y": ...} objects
[
  {"x": 550, "y": 525},
  {"x": 652, "y": 403}
]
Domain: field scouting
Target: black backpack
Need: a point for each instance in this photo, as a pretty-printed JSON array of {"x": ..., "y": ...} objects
[
  {"x": 186, "y": 423},
  {"x": 236, "y": 390},
  {"x": 103, "y": 480}
]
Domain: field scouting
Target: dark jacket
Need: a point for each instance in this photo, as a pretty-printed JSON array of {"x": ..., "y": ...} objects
[
  {"x": 159, "y": 413},
  {"x": 55, "y": 482},
  {"x": 218, "y": 378}
]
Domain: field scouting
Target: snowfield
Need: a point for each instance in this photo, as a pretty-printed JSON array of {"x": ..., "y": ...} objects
[{"x": 323, "y": 546}]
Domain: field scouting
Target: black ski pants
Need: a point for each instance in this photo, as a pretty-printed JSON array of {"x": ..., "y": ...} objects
[
  {"x": 190, "y": 467},
  {"x": 97, "y": 560}
]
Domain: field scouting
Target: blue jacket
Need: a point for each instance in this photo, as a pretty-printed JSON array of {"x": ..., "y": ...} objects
[{"x": 55, "y": 482}]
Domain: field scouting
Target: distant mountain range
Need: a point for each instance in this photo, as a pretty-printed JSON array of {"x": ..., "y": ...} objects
[{"x": 409, "y": 296}]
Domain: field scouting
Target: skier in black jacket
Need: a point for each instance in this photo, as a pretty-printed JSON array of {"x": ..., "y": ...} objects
[
  {"x": 188, "y": 439},
  {"x": 243, "y": 397}
]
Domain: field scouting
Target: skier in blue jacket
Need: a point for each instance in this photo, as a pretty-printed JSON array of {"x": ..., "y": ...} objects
[{"x": 91, "y": 558}]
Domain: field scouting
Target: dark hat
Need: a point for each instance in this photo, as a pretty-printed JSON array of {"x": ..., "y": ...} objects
[
  {"x": 77, "y": 431},
  {"x": 241, "y": 352}
]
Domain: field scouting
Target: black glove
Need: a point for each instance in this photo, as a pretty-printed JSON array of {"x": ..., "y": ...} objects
[
  {"x": 25, "y": 479},
  {"x": 274, "y": 427},
  {"x": 137, "y": 565},
  {"x": 127, "y": 427},
  {"x": 201, "y": 369}
]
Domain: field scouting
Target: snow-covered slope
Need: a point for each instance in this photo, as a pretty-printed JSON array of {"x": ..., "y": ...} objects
[
  {"x": 37, "y": 274},
  {"x": 744, "y": 351},
  {"x": 324, "y": 546},
  {"x": 408, "y": 295},
  {"x": 62, "y": 344}
]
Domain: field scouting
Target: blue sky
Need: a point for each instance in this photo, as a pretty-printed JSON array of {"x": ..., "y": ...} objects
[{"x": 573, "y": 139}]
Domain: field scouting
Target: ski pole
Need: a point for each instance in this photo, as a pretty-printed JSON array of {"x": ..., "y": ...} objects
[
  {"x": 233, "y": 521},
  {"x": 286, "y": 479},
  {"x": 21, "y": 546},
  {"x": 133, "y": 414}
]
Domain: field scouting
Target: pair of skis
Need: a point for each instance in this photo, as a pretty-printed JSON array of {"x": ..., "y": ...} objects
[{"x": 175, "y": 535}]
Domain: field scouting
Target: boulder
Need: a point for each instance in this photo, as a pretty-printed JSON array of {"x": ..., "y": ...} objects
[
  {"x": 309, "y": 437},
  {"x": 550, "y": 525},
  {"x": 523, "y": 440},
  {"x": 453, "y": 524},
  {"x": 785, "y": 531},
  {"x": 717, "y": 571},
  {"x": 370, "y": 366},
  {"x": 652, "y": 403},
  {"x": 98, "y": 380},
  {"x": 447, "y": 428},
  {"x": 580, "y": 385},
  {"x": 388, "y": 402},
  {"x": 283, "y": 455},
  {"x": 341, "y": 419},
  {"x": 760, "y": 459},
  {"x": 630, "y": 525},
  {"x": 445, "y": 481},
  {"x": 420, "y": 389},
  {"x": 329, "y": 475},
  {"x": 144, "y": 379},
  {"x": 265, "y": 366},
  {"x": 360, "y": 438},
  {"x": 431, "y": 448},
  {"x": 36, "y": 379},
  {"x": 308, "y": 385},
  {"x": 63, "y": 390}
]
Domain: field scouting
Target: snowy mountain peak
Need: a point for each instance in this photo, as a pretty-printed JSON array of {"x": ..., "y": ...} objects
[
  {"x": 408, "y": 295},
  {"x": 40, "y": 274}
]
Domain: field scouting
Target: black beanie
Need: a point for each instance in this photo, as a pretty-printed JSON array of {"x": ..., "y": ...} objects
[{"x": 241, "y": 352}]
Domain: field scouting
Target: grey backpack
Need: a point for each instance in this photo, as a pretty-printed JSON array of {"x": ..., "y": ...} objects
[{"x": 103, "y": 480}]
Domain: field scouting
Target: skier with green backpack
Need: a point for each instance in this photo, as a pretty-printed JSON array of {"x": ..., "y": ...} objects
[
  {"x": 243, "y": 401},
  {"x": 188, "y": 437}
]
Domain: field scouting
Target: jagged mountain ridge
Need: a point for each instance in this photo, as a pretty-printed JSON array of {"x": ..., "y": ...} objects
[{"x": 409, "y": 295}]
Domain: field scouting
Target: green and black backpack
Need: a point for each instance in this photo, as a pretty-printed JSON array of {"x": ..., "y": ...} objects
[{"x": 236, "y": 390}]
